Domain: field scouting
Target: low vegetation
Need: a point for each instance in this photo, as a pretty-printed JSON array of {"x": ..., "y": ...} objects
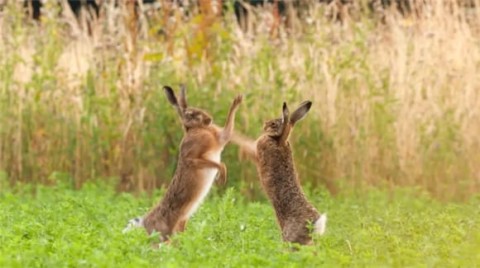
[{"x": 58, "y": 226}]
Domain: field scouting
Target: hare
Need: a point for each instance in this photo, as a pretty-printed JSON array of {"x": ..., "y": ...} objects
[
  {"x": 198, "y": 164},
  {"x": 279, "y": 180}
]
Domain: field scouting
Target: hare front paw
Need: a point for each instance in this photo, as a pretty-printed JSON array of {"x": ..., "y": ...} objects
[
  {"x": 222, "y": 175},
  {"x": 238, "y": 99}
]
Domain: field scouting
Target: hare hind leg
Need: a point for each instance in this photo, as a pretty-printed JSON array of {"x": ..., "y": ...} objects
[
  {"x": 180, "y": 226},
  {"x": 133, "y": 223},
  {"x": 295, "y": 232}
]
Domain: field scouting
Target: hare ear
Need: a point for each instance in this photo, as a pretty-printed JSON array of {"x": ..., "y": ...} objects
[
  {"x": 183, "y": 97},
  {"x": 286, "y": 113},
  {"x": 300, "y": 112},
  {"x": 170, "y": 95},
  {"x": 286, "y": 126},
  {"x": 173, "y": 100}
]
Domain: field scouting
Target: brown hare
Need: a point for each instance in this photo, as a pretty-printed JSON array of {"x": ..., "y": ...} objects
[
  {"x": 273, "y": 156},
  {"x": 198, "y": 164}
]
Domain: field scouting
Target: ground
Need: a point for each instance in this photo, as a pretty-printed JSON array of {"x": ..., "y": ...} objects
[{"x": 59, "y": 227}]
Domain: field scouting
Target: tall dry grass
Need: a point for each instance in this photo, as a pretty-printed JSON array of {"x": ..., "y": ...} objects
[{"x": 396, "y": 103}]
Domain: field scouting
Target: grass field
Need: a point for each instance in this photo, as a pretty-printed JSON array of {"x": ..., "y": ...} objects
[
  {"x": 390, "y": 150},
  {"x": 59, "y": 227}
]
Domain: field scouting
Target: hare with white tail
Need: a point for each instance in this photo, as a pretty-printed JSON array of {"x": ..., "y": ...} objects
[
  {"x": 198, "y": 164},
  {"x": 279, "y": 179}
]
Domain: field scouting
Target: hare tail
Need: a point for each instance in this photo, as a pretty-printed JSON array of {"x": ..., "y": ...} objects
[{"x": 320, "y": 224}]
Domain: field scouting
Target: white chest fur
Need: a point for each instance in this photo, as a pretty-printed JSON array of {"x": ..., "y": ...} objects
[{"x": 207, "y": 177}]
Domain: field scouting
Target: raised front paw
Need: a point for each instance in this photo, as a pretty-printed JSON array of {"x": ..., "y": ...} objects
[
  {"x": 238, "y": 99},
  {"x": 222, "y": 175}
]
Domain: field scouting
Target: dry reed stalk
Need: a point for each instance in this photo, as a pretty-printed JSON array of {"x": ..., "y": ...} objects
[{"x": 395, "y": 103}]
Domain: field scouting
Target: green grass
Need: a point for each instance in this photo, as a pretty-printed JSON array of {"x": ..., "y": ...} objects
[{"x": 60, "y": 227}]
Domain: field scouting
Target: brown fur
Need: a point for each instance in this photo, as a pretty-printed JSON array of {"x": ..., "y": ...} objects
[
  {"x": 279, "y": 178},
  {"x": 201, "y": 140}
]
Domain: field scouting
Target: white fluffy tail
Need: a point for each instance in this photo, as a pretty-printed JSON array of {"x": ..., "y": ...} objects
[
  {"x": 320, "y": 224},
  {"x": 133, "y": 223}
]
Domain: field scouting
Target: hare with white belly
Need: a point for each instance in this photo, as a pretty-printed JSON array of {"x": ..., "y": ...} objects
[{"x": 198, "y": 164}]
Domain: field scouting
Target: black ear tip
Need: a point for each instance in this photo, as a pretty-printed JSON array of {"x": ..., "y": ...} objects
[
  {"x": 167, "y": 88},
  {"x": 284, "y": 105},
  {"x": 308, "y": 104}
]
